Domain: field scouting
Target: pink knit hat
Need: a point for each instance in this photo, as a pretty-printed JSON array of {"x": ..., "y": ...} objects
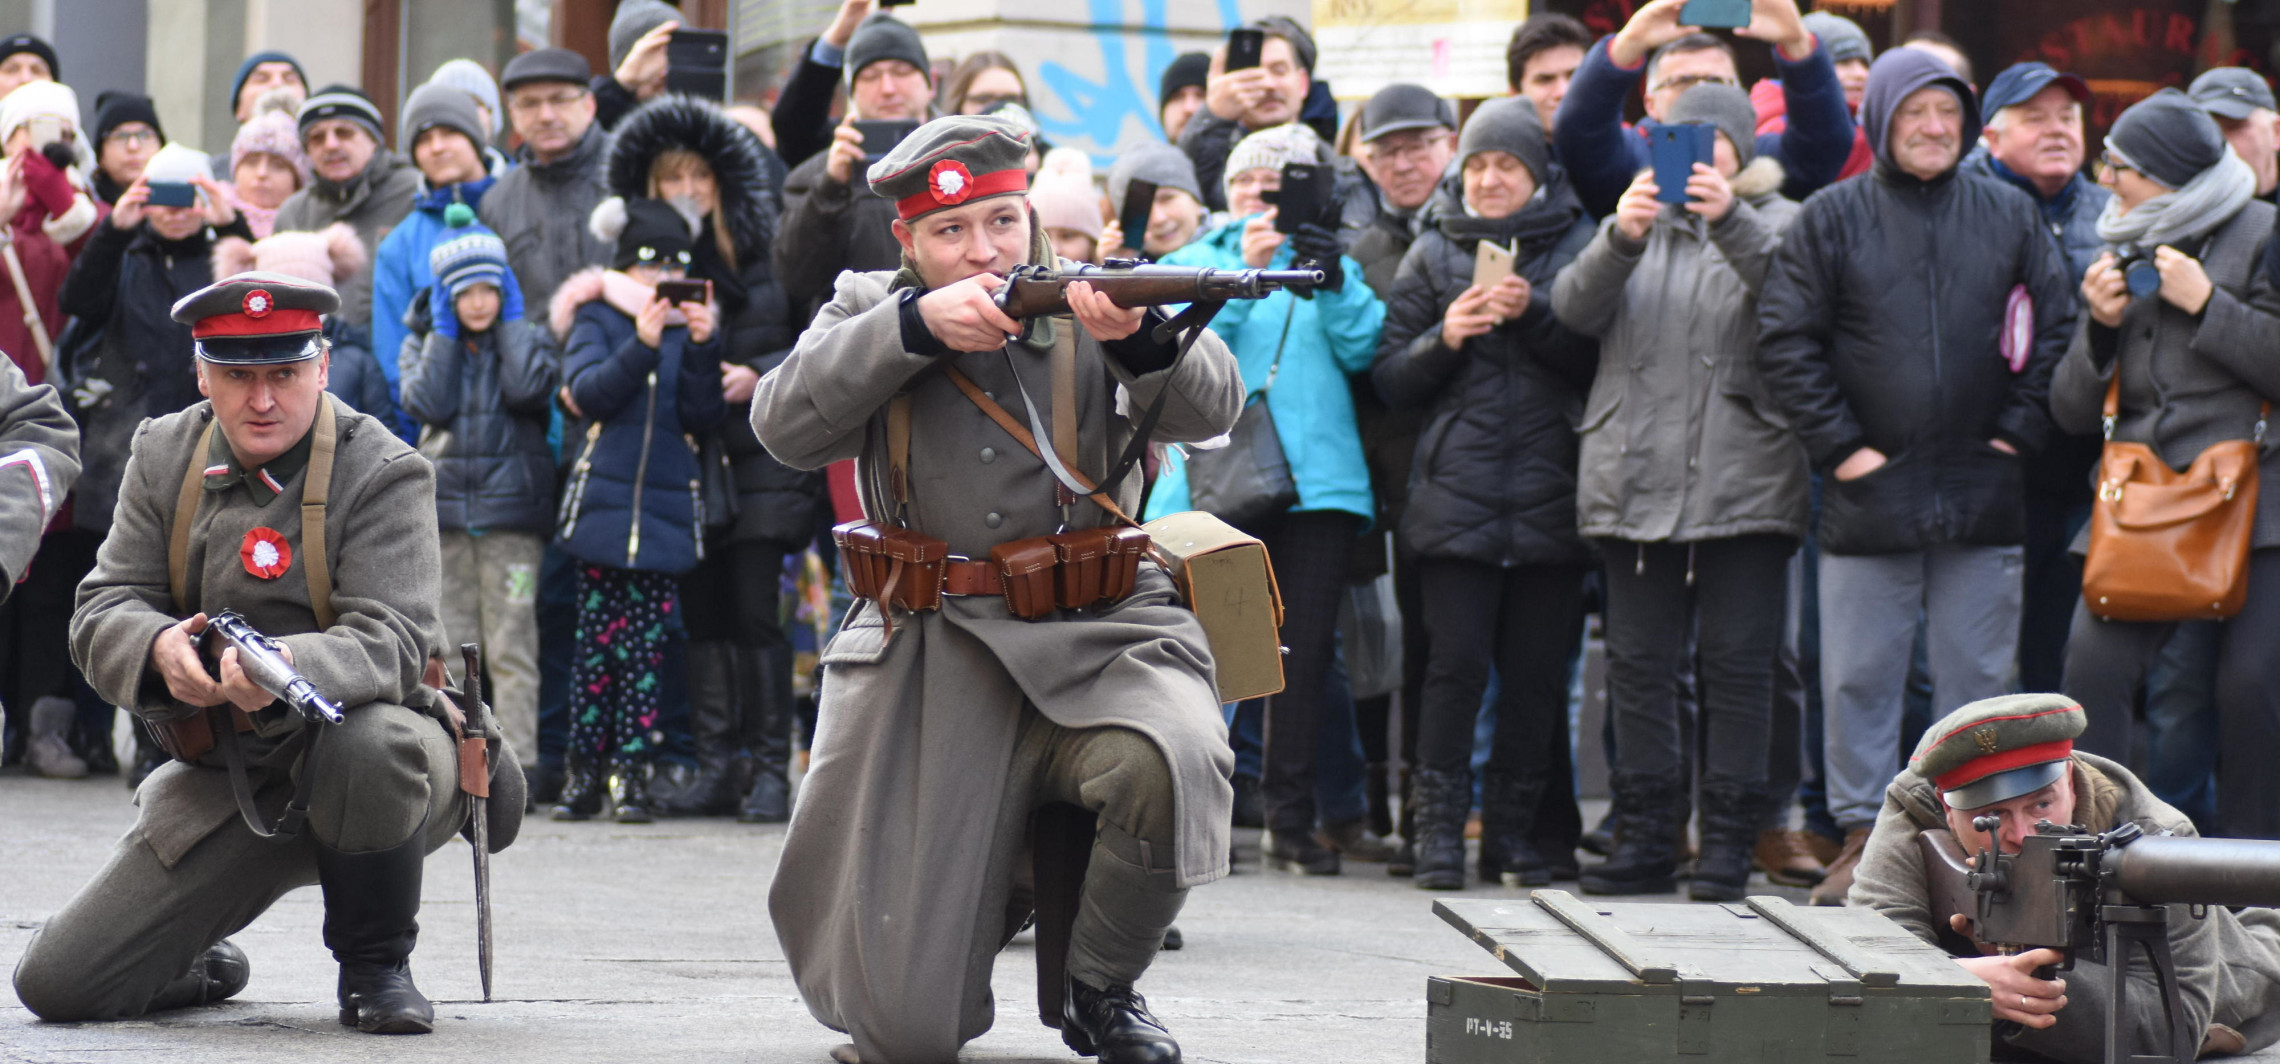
[
  {"x": 1065, "y": 204},
  {"x": 320, "y": 257},
  {"x": 274, "y": 133}
]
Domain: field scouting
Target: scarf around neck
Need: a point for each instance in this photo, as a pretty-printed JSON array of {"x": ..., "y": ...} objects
[{"x": 2185, "y": 215}]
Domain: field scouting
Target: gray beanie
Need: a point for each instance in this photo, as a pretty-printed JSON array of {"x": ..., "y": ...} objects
[
  {"x": 1155, "y": 161},
  {"x": 468, "y": 76},
  {"x": 1725, "y": 107},
  {"x": 1507, "y": 124},
  {"x": 435, "y": 104},
  {"x": 2167, "y": 137},
  {"x": 634, "y": 18},
  {"x": 1840, "y": 36},
  {"x": 883, "y": 36}
]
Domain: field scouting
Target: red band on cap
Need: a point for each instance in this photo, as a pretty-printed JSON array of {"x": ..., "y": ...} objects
[
  {"x": 1980, "y": 768},
  {"x": 280, "y": 321},
  {"x": 982, "y": 185},
  {"x": 2070, "y": 708}
]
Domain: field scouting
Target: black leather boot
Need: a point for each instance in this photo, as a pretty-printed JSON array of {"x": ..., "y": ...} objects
[
  {"x": 629, "y": 791},
  {"x": 1116, "y": 1024},
  {"x": 1644, "y": 815},
  {"x": 581, "y": 789},
  {"x": 372, "y": 907},
  {"x": 767, "y": 691},
  {"x": 1442, "y": 800},
  {"x": 714, "y": 698},
  {"x": 1507, "y": 823},
  {"x": 217, "y": 975},
  {"x": 1731, "y": 814}
]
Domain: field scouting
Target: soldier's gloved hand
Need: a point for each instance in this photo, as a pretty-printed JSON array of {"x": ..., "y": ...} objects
[
  {"x": 1316, "y": 247},
  {"x": 175, "y": 655}
]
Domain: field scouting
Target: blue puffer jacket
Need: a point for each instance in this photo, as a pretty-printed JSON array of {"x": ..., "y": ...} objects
[
  {"x": 634, "y": 500},
  {"x": 400, "y": 271},
  {"x": 1332, "y": 335}
]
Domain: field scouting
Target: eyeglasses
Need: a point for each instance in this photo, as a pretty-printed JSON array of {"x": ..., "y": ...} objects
[
  {"x": 987, "y": 100},
  {"x": 1415, "y": 151},
  {"x": 132, "y": 137},
  {"x": 2108, "y": 160},
  {"x": 1682, "y": 82},
  {"x": 533, "y": 103}
]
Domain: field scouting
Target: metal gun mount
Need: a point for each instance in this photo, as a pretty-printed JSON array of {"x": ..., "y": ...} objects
[{"x": 2101, "y": 895}]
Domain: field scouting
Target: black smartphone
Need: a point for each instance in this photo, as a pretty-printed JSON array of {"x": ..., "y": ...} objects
[
  {"x": 696, "y": 63},
  {"x": 1304, "y": 197},
  {"x": 1139, "y": 205},
  {"x": 880, "y": 135},
  {"x": 173, "y": 194},
  {"x": 895, "y": 3},
  {"x": 697, "y": 291},
  {"x": 1715, "y": 14},
  {"x": 1676, "y": 148},
  {"x": 1244, "y": 48}
]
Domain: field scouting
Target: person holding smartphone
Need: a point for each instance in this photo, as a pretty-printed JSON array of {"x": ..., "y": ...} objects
[{"x": 1262, "y": 77}]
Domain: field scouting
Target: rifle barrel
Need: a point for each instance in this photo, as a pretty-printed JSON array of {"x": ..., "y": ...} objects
[{"x": 2195, "y": 871}]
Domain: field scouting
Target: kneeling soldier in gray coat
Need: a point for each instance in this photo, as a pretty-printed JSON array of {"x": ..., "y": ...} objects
[
  {"x": 211, "y": 517},
  {"x": 947, "y": 719}
]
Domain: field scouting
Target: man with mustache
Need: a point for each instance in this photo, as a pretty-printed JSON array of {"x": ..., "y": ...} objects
[
  {"x": 1892, "y": 338},
  {"x": 1239, "y": 103},
  {"x": 356, "y": 180}
]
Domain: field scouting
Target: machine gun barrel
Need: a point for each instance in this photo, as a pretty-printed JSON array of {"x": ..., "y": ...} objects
[
  {"x": 2167, "y": 869},
  {"x": 1030, "y": 291},
  {"x": 258, "y": 656}
]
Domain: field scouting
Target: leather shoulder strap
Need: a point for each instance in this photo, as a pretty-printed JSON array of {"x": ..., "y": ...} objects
[
  {"x": 186, "y": 511},
  {"x": 898, "y": 453},
  {"x": 1021, "y": 435},
  {"x": 1064, "y": 369},
  {"x": 315, "y": 489}
]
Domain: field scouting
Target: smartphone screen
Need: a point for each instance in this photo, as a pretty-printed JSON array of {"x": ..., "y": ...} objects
[
  {"x": 881, "y": 135},
  {"x": 1304, "y": 196},
  {"x": 1139, "y": 205},
  {"x": 172, "y": 194},
  {"x": 1676, "y": 148},
  {"x": 698, "y": 291},
  {"x": 1491, "y": 263},
  {"x": 1715, "y": 14},
  {"x": 46, "y": 131},
  {"x": 1244, "y": 47},
  {"x": 696, "y": 63}
]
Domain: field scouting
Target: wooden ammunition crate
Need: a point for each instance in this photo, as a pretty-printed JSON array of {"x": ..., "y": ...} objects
[{"x": 1599, "y": 982}]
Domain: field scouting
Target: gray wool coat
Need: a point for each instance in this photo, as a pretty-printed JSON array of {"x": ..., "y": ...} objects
[
  {"x": 39, "y": 460},
  {"x": 371, "y": 203},
  {"x": 891, "y": 897},
  {"x": 1680, "y": 442},
  {"x": 2228, "y": 963},
  {"x": 2189, "y": 382},
  {"x": 386, "y": 572}
]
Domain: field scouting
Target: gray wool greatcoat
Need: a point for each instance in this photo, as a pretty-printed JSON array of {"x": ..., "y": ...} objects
[
  {"x": 39, "y": 459},
  {"x": 891, "y": 897}
]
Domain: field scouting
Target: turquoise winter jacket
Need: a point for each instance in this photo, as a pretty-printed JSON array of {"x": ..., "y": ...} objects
[{"x": 1332, "y": 335}]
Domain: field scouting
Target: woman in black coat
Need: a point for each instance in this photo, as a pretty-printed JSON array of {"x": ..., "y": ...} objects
[
  {"x": 687, "y": 152},
  {"x": 1491, "y": 521}
]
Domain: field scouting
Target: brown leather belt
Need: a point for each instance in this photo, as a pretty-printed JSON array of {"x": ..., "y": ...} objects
[{"x": 962, "y": 576}]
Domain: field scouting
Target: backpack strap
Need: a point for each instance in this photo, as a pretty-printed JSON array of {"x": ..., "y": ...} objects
[{"x": 186, "y": 511}]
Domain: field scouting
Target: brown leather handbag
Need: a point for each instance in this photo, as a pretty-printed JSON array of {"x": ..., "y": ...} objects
[{"x": 2165, "y": 545}]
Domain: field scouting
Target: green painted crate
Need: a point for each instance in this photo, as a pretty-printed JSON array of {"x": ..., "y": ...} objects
[{"x": 1621, "y": 982}]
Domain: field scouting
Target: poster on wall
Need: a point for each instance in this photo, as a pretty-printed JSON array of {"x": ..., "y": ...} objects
[{"x": 1454, "y": 47}]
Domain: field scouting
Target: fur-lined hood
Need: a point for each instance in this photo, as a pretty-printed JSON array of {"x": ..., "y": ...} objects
[
  {"x": 624, "y": 294},
  {"x": 747, "y": 195}
]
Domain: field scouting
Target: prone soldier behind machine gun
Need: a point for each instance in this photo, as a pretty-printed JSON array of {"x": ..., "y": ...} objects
[
  {"x": 317, "y": 526},
  {"x": 2012, "y": 759}
]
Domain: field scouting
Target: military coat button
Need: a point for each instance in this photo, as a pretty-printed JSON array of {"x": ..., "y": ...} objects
[
  {"x": 993, "y": 519},
  {"x": 989, "y": 454}
]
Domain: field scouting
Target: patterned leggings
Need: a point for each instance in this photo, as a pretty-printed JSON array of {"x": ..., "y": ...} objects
[{"x": 615, "y": 679}]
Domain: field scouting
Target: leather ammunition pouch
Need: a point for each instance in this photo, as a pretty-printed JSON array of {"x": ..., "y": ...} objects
[{"x": 1071, "y": 570}]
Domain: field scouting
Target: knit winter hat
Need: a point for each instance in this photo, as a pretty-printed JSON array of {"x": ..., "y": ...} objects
[
  {"x": 1064, "y": 204},
  {"x": 245, "y": 70},
  {"x": 2167, "y": 137},
  {"x": 177, "y": 164},
  {"x": 1724, "y": 107},
  {"x": 347, "y": 102},
  {"x": 436, "y": 104},
  {"x": 271, "y": 133},
  {"x": 1507, "y": 124},
  {"x": 1840, "y": 36},
  {"x": 652, "y": 233},
  {"x": 21, "y": 43},
  {"x": 468, "y": 76},
  {"x": 115, "y": 108},
  {"x": 634, "y": 18},
  {"x": 320, "y": 257},
  {"x": 467, "y": 253},
  {"x": 1270, "y": 148},
  {"x": 883, "y": 36},
  {"x": 1193, "y": 68},
  {"x": 1156, "y": 162}
]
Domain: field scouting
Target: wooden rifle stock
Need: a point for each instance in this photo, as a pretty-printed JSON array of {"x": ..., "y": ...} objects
[{"x": 1031, "y": 291}]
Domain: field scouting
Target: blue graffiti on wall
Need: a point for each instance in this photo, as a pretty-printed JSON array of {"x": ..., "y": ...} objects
[{"x": 1103, "y": 109}]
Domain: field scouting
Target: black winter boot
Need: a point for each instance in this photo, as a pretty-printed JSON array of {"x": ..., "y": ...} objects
[
  {"x": 372, "y": 908},
  {"x": 629, "y": 791},
  {"x": 217, "y": 975},
  {"x": 1116, "y": 1024},
  {"x": 1645, "y": 806},
  {"x": 1731, "y": 813},
  {"x": 1442, "y": 799},
  {"x": 765, "y": 687},
  {"x": 713, "y": 711},
  {"x": 1508, "y": 854},
  {"x": 582, "y": 785}
]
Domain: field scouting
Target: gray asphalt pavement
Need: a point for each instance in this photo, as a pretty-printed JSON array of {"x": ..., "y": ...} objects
[{"x": 653, "y": 944}]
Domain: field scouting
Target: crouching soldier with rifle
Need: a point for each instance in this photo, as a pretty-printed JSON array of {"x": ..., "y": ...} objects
[
  {"x": 311, "y": 528},
  {"x": 1013, "y": 654},
  {"x": 2042, "y": 868}
]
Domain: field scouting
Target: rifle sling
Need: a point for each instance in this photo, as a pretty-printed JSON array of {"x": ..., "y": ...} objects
[{"x": 296, "y": 813}]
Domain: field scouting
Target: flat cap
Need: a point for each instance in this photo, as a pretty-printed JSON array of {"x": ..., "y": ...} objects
[
  {"x": 1997, "y": 749},
  {"x": 546, "y": 64},
  {"x": 257, "y": 318},
  {"x": 951, "y": 161},
  {"x": 1401, "y": 106},
  {"x": 2231, "y": 92}
]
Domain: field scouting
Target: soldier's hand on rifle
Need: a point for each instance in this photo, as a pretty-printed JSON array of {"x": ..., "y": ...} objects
[
  {"x": 2018, "y": 996},
  {"x": 241, "y": 691},
  {"x": 1101, "y": 316},
  {"x": 965, "y": 317},
  {"x": 175, "y": 655},
  {"x": 1260, "y": 241},
  {"x": 846, "y": 152}
]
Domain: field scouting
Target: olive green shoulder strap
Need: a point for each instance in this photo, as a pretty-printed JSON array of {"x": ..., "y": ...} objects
[{"x": 315, "y": 563}]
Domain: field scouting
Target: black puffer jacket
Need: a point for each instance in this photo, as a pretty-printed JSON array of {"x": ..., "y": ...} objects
[
  {"x": 1494, "y": 477},
  {"x": 128, "y": 280},
  {"x": 1879, "y": 326},
  {"x": 774, "y": 502},
  {"x": 493, "y": 468}
]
